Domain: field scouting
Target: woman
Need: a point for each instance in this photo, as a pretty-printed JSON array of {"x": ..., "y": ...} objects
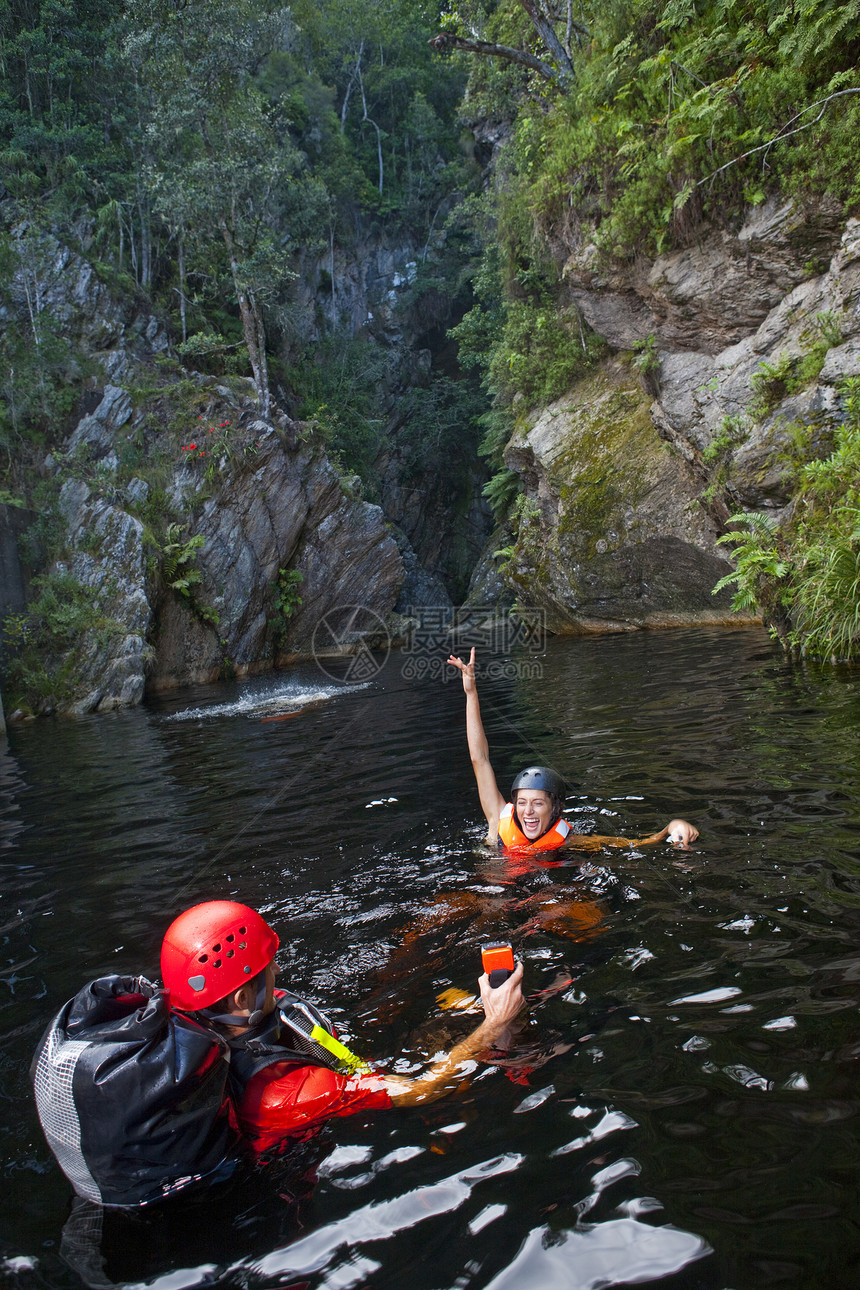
[{"x": 532, "y": 821}]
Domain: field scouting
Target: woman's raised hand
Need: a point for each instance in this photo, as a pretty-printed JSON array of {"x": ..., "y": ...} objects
[{"x": 467, "y": 669}]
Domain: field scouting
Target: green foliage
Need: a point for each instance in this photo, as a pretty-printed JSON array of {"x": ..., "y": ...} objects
[
  {"x": 502, "y": 490},
  {"x": 647, "y": 360},
  {"x": 179, "y": 572},
  {"x": 517, "y": 335},
  {"x": 43, "y": 540},
  {"x": 760, "y": 568},
  {"x": 525, "y": 517},
  {"x": 774, "y": 381},
  {"x": 542, "y": 352},
  {"x": 179, "y": 558},
  {"x": 829, "y": 327},
  {"x": 44, "y": 643},
  {"x": 805, "y": 574},
  {"x": 202, "y": 152},
  {"x": 826, "y": 609},
  {"x": 439, "y": 430},
  {"x": 732, "y": 431},
  {"x": 288, "y": 593},
  {"x": 503, "y": 487},
  {"x": 212, "y": 353},
  {"x": 179, "y": 569},
  {"x": 286, "y": 600},
  {"x": 679, "y": 113},
  {"x": 40, "y": 385},
  {"x": 340, "y": 385}
]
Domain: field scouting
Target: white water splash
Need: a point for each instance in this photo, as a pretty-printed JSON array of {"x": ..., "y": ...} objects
[{"x": 260, "y": 703}]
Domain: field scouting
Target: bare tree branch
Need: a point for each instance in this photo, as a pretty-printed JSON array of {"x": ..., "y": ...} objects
[
  {"x": 372, "y": 122},
  {"x": 446, "y": 41},
  {"x": 782, "y": 133}
]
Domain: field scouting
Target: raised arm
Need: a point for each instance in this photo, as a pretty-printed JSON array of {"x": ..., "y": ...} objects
[
  {"x": 492, "y": 801},
  {"x": 501, "y": 1005}
]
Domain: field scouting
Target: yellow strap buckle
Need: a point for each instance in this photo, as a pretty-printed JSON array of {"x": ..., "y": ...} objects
[{"x": 338, "y": 1050}]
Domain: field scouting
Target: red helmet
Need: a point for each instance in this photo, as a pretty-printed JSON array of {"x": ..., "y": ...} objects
[{"x": 211, "y": 950}]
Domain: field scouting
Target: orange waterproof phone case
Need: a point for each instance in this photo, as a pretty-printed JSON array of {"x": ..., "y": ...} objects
[{"x": 498, "y": 962}]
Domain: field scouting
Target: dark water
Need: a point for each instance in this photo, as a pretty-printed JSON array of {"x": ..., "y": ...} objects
[{"x": 681, "y": 1108}]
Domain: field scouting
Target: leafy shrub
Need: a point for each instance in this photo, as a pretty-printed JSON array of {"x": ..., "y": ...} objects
[
  {"x": 287, "y": 600},
  {"x": 804, "y": 575},
  {"x": 826, "y": 608},
  {"x": 43, "y": 643}
]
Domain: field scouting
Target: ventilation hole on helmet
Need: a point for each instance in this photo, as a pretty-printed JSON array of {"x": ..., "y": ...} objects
[
  {"x": 242, "y": 931},
  {"x": 216, "y": 949},
  {"x": 217, "y": 963},
  {"x": 229, "y": 954},
  {"x": 243, "y": 945},
  {"x": 204, "y": 958},
  {"x": 231, "y": 938}
]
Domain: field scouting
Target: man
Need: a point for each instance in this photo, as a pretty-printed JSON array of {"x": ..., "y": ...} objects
[
  {"x": 288, "y": 1071},
  {"x": 143, "y": 1091},
  {"x": 532, "y": 820}
]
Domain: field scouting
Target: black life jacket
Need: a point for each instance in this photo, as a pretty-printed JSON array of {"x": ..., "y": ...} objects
[
  {"x": 132, "y": 1097},
  {"x": 284, "y": 1036}
]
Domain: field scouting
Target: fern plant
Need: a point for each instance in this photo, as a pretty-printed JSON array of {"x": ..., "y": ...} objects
[{"x": 760, "y": 568}]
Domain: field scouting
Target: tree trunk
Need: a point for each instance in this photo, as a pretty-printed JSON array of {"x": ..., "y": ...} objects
[
  {"x": 252, "y": 326},
  {"x": 371, "y": 122},
  {"x": 348, "y": 90},
  {"x": 182, "y": 287},
  {"x": 544, "y": 28}
]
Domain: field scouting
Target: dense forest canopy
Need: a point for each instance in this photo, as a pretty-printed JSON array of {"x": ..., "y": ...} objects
[
  {"x": 202, "y": 152},
  {"x": 205, "y": 153}
]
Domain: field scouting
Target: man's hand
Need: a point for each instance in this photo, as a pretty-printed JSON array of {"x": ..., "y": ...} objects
[
  {"x": 503, "y": 1003},
  {"x": 500, "y": 1007},
  {"x": 467, "y": 669},
  {"x": 681, "y": 833}
]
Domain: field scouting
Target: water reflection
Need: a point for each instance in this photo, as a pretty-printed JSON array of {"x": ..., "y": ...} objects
[{"x": 680, "y": 1107}]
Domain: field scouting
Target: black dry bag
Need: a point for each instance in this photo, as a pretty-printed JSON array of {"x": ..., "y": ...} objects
[{"x": 131, "y": 1096}]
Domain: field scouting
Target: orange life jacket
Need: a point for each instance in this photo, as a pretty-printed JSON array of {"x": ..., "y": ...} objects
[{"x": 511, "y": 835}]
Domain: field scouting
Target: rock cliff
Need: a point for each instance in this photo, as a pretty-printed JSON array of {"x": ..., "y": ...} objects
[
  {"x": 205, "y": 540},
  {"x": 611, "y": 535},
  {"x": 209, "y": 598},
  {"x": 748, "y": 338}
]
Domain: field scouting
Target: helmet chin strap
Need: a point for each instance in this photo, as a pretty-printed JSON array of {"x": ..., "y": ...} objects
[{"x": 238, "y": 1019}]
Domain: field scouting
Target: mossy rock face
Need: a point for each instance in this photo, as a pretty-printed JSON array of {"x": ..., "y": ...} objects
[{"x": 611, "y": 536}]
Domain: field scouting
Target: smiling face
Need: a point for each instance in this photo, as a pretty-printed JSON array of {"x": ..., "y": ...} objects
[{"x": 534, "y": 811}]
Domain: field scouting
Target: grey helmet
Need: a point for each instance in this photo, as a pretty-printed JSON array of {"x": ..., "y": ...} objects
[{"x": 539, "y": 777}]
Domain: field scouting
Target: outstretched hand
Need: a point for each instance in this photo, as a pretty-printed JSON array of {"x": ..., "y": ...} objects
[
  {"x": 681, "y": 833},
  {"x": 467, "y": 669}
]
